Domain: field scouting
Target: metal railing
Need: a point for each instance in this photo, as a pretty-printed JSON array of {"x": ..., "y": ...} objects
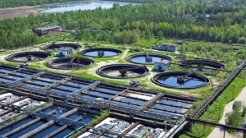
[
  {"x": 85, "y": 88},
  {"x": 28, "y": 77}
]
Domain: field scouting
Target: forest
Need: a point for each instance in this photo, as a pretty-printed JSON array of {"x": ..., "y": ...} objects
[{"x": 198, "y": 21}]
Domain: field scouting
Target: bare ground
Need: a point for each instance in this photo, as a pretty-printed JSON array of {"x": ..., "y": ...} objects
[{"x": 18, "y": 12}]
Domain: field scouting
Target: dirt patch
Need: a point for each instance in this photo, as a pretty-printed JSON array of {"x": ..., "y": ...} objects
[{"x": 18, "y": 12}]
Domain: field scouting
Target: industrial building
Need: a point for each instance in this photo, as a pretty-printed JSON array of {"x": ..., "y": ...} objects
[
  {"x": 47, "y": 30},
  {"x": 61, "y": 52},
  {"x": 162, "y": 65},
  {"x": 167, "y": 47}
]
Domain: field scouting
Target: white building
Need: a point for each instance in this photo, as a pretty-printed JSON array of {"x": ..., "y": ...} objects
[{"x": 162, "y": 65}]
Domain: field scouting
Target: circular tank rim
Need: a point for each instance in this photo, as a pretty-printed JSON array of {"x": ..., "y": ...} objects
[
  {"x": 8, "y": 58},
  {"x": 204, "y": 62},
  {"x": 142, "y": 54},
  {"x": 112, "y": 65},
  {"x": 94, "y": 49},
  {"x": 52, "y": 60},
  {"x": 46, "y": 47},
  {"x": 153, "y": 79}
]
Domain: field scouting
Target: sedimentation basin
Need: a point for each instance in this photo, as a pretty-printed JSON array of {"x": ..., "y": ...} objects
[
  {"x": 28, "y": 56},
  {"x": 69, "y": 63}
]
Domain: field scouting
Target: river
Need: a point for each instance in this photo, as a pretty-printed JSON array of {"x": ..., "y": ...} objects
[{"x": 82, "y": 6}]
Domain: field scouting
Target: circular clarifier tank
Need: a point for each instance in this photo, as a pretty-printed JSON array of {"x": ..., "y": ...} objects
[
  {"x": 101, "y": 52},
  {"x": 122, "y": 71},
  {"x": 145, "y": 58},
  {"x": 55, "y": 46},
  {"x": 69, "y": 63},
  {"x": 201, "y": 65},
  {"x": 183, "y": 80},
  {"x": 28, "y": 56}
]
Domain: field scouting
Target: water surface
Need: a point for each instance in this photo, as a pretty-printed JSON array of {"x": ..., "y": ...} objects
[{"x": 83, "y": 6}]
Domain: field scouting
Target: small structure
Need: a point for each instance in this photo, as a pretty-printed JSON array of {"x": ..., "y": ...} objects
[
  {"x": 181, "y": 79},
  {"x": 148, "y": 58},
  {"x": 162, "y": 65},
  {"x": 166, "y": 47},
  {"x": 100, "y": 53},
  {"x": 23, "y": 64},
  {"x": 29, "y": 57},
  {"x": 134, "y": 83},
  {"x": 61, "y": 52},
  {"x": 47, "y": 30}
]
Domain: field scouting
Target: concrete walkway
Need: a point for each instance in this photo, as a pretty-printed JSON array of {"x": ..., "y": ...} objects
[{"x": 219, "y": 132}]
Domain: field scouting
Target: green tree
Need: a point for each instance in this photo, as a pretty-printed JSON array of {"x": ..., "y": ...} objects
[
  {"x": 159, "y": 35},
  {"x": 237, "y": 106},
  {"x": 233, "y": 118},
  {"x": 148, "y": 35}
]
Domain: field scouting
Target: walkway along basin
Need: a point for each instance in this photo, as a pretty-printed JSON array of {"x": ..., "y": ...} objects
[
  {"x": 182, "y": 80},
  {"x": 122, "y": 71},
  {"x": 202, "y": 64},
  {"x": 27, "y": 56},
  {"x": 147, "y": 58},
  {"x": 55, "y": 46},
  {"x": 69, "y": 63},
  {"x": 101, "y": 52}
]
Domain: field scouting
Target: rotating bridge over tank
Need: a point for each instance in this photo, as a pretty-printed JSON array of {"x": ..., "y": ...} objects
[
  {"x": 182, "y": 80},
  {"x": 55, "y": 46},
  {"x": 122, "y": 71},
  {"x": 147, "y": 58},
  {"x": 201, "y": 65},
  {"x": 101, "y": 52},
  {"x": 69, "y": 63},
  {"x": 27, "y": 56}
]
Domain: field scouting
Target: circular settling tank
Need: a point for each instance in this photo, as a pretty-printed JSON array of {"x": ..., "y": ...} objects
[
  {"x": 101, "y": 52},
  {"x": 185, "y": 80},
  {"x": 28, "y": 56},
  {"x": 69, "y": 63},
  {"x": 122, "y": 71},
  {"x": 61, "y": 45},
  {"x": 145, "y": 58},
  {"x": 201, "y": 65}
]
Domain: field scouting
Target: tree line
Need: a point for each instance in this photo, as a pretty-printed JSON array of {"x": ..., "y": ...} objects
[{"x": 135, "y": 24}]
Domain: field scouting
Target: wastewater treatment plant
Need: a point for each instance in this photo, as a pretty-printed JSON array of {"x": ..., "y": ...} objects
[
  {"x": 57, "y": 100},
  {"x": 149, "y": 69}
]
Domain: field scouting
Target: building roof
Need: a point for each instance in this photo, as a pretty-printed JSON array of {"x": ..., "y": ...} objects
[
  {"x": 65, "y": 49},
  {"x": 163, "y": 61},
  {"x": 175, "y": 45},
  {"x": 48, "y": 27}
]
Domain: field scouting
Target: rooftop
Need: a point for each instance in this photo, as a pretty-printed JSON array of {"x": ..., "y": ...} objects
[
  {"x": 169, "y": 44},
  {"x": 48, "y": 27},
  {"x": 163, "y": 61},
  {"x": 65, "y": 49}
]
